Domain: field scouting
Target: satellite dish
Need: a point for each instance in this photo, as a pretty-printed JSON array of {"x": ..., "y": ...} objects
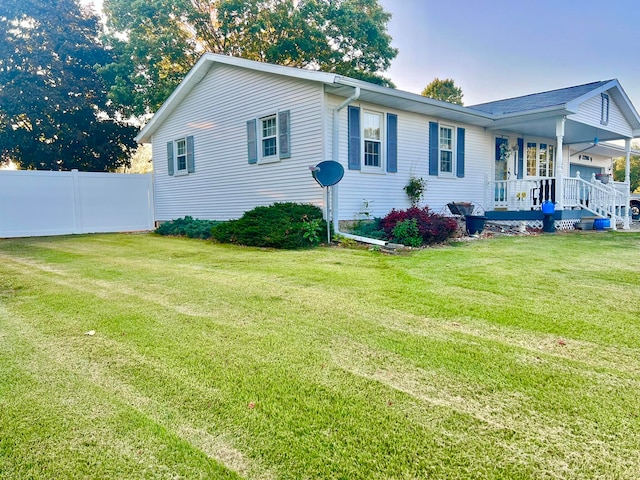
[{"x": 327, "y": 173}]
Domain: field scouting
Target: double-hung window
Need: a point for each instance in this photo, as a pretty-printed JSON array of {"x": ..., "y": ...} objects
[
  {"x": 372, "y": 137},
  {"x": 180, "y": 158},
  {"x": 181, "y": 155},
  {"x": 446, "y": 150},
  {"x": 446, "y": 144},
  {"x": 269, "y": 137}
]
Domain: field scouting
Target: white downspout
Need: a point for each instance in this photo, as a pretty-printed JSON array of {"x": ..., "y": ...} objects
[{"x": 336, "y": 156}]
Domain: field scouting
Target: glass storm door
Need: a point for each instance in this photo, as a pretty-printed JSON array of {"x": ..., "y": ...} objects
[{"x": 501, "y": 169}]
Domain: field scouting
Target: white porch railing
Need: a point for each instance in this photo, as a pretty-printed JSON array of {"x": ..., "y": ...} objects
[
  {"x": 520, "y": 194},
  {"x": 608, "y": 200}
]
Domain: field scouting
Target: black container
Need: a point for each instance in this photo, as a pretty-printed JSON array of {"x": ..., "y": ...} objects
[{"x": 475, "y": 224}]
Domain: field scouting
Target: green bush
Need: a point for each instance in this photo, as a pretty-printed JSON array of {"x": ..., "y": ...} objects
[
  {"x": 369, "y": 229},
  {"x": 407, "y": 233},
  {"x": 281, "y": 225},
  {"x": 187, "y": 227}
]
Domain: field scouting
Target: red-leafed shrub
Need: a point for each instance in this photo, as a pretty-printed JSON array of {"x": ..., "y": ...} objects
[{"x": 433, "y": 227}]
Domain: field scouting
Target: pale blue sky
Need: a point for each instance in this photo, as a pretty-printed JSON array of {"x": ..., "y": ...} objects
[{"x": 504, "y": 48}]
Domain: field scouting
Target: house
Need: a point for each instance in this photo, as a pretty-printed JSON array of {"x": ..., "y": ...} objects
[{"x": 238, "y": 133}]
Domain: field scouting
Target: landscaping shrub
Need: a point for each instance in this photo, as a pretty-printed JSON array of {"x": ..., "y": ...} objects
[
  {"x": 281, "y": 225},
  {"x": 406, "y": 232},
  {"x": 369, "y": 228},
  {"x": 433, "y": 227},
  {"x": 187, "y": 227}
]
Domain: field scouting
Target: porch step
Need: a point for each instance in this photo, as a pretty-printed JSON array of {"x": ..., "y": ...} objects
[{"x": 585, "y": 223}]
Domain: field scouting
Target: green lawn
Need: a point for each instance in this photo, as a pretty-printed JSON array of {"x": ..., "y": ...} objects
[{"x": 517, "y": 357}]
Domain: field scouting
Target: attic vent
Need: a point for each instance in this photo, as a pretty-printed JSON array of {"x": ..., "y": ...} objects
[{"x": 604, "y": 109}]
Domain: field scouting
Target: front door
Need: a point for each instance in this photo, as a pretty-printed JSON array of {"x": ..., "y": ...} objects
[{"x": 501, "y": 169}]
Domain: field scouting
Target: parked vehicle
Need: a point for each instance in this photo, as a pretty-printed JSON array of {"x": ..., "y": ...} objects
[{"x": 635, "y": 206}]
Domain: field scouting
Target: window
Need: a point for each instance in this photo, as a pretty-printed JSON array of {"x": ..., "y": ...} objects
[
  {"x": 372, "y": 136},
  {"x": 268, "y": 138},
  {"x": 181, "y": 155},
  {"x": 372, "y": 141},
  {"x": 604, "y": 109},
  {"x": 180, "y": 158},
  {"x": 540, "y": 159},
  {"x": 532, "y": 158},
  {"x": 446, "y": 149}
]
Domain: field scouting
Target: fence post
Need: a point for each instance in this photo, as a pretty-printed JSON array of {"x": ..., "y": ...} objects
[{"x": 77, "y": 213}]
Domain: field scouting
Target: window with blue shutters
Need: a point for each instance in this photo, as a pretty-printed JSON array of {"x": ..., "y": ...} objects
[
  {"x": 372, "y": 141},
  {"x": 446, "y": 150},
  {"x": 180, "y": 156},
  {"x": 268, "y": 138}
]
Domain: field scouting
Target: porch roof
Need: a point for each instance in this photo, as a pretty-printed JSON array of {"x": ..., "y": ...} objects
[
  {"x": 603, "y": 149},
  {"x": 536, "y": 114}
]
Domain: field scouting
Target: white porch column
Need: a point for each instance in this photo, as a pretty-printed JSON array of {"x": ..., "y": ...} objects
[
  {"x": 560, "y": 164},
  {"x": 626, "y": 224}
]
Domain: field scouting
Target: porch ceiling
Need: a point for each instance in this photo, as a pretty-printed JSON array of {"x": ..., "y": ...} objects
[{"x": 574, "y": 132}]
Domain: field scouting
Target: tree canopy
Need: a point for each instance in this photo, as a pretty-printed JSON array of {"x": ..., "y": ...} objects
[
  {"x": 54, "y": 110},
  {"x": 444, "y": 90},
  {"x": 158, "y": 41},
  {"x": 619, "y": 171}
]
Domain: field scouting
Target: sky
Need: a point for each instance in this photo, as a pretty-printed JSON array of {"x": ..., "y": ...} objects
[{"x": 496, "y": 49}]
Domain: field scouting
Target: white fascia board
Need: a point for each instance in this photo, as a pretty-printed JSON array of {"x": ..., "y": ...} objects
[
  {"x": 422, "y": 104},
  {"x": 507, "y": 119},
  {"x": 628, "y": 108},
  {"x": 576, "y": 102},
  {"x": 197, "y": 73}
]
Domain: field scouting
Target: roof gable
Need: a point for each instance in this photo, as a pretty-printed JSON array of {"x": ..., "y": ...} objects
[{"x": 540, "y": 101}]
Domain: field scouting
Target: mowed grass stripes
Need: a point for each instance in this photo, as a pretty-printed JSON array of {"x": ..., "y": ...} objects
[{"x": 517, "y": 357}]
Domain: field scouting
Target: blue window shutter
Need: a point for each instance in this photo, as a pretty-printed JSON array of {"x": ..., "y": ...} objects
[
  {"x": 170, "y": 158},
  {"x": 252, "y": 141},
  {"x": 520, "y": 158},
  {"x": 191, "y": 164},
  {"x": 392, "y": 143},
  {"x": 460, "y": 153},
  {"x": 433, "y": 148},
  {"x": 354, "y": 138},
  {"x": 283, "y": 133}
]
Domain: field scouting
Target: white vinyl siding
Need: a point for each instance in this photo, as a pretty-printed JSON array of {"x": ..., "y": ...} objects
[
  {"x": 226, "y": 185},
  {"x": 385, "y": 192},
  {"x": 590, "y": 112}
]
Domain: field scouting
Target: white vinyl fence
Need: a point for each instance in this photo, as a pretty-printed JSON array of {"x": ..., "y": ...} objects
[{"x": 38, "y": 203}]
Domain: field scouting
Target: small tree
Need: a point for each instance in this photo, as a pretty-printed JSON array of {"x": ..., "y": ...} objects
[
  {"x": 619, "y": 171},
  {"x": 54, "y": 110},
  {"x": 444, "y": 90}
]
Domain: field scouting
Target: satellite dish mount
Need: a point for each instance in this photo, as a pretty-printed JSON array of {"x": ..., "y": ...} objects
[{"x": 327, "y": 174}]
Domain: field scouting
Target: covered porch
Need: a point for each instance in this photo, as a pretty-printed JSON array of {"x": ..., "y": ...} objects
[
  {"x": 573, "y": 197},
  {"x": 557, "y": 146}
]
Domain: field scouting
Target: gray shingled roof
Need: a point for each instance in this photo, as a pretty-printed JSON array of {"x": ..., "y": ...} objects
[{"x": 537, "y": 101}]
